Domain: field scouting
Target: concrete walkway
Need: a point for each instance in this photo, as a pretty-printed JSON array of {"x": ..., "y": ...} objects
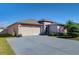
[{"x": 43, "y": 45}]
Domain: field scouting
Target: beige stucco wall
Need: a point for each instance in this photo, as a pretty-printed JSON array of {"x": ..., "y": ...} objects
[
  {"x": 53, "y": 28},
  {"x": 23, "y": 30},
  {"x": 56, "y": 28},
  {"x": 43, "y": 28},
  {"x": 12, "y": 29}
]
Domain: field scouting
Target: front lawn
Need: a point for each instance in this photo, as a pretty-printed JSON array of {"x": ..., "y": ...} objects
[{"x": 5, "y": 48}]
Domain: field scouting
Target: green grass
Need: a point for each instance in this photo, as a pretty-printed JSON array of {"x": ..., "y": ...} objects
[
  {"x": 5, "y": 35},
  {"x": 5, "y": 48},
  {"x": 76, "y": 38}
]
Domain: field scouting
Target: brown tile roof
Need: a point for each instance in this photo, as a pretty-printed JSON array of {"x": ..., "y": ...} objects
[{"x": 29, "y": 21}]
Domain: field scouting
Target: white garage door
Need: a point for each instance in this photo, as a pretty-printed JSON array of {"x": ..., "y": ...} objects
[{"x": 30, "y": 30}]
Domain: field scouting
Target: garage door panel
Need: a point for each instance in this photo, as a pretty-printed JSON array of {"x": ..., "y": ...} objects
[{"x": 25, "y": 31}]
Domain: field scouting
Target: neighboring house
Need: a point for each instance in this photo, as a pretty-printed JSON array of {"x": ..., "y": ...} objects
[
  {"x": 32, "y": 27},
  {"x": 1, "y": 29}
]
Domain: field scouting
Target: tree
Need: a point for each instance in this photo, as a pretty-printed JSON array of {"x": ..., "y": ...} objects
[{"x": 72, "y": 28}]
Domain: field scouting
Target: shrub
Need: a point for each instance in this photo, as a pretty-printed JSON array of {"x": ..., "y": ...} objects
[
  {"x": 19, "y": 35},
  {"x": 73, "y": 32},
  {"x": 53, "y": 34},
  {"x": 5, "y": 35}
]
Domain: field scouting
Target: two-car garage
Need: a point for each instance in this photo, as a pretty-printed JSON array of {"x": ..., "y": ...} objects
[
  {"x": 25, "y": 28},
  {"x": 29, "y": 30}
]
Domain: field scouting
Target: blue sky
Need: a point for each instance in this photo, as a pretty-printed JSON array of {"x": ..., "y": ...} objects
[{"x": 10, "y": 13}]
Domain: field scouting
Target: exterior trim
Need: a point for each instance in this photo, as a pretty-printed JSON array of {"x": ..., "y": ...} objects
[{"x": 32, "y": 24}]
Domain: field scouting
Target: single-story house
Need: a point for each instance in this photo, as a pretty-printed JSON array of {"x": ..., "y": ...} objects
[{"x": 33, "y": 27}]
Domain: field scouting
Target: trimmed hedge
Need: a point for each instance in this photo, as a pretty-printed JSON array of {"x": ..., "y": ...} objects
[{"x": 5, "y": 35}]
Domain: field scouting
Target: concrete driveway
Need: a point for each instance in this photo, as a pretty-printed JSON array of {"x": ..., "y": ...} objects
[{"x": 43, "y": 45}]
